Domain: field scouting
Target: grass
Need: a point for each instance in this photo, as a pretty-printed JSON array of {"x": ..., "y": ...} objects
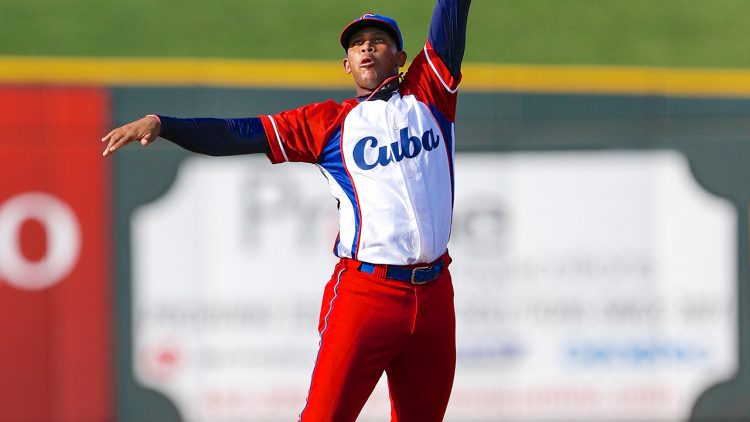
[{"x": 684, "y": 33}]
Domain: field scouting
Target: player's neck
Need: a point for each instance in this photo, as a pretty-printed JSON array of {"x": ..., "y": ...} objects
[{"x": 385, "y": 89}]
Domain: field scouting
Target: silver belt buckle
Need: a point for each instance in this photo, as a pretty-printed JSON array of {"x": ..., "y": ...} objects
[{"x": 414, "y": 272}]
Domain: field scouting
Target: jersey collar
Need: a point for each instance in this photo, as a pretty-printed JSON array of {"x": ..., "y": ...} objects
[{"x": 384, "y": 91}]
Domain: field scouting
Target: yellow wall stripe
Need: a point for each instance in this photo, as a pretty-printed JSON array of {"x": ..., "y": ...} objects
[{"x": 319, "y": 74}]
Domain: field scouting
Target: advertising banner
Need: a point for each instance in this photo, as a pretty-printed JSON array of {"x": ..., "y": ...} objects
[
  {"x": 55, "y": 313},
  {"x": 589, "y": 286}
]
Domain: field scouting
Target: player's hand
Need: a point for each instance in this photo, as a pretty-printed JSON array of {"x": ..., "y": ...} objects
[{"x": 145, "y": 130}]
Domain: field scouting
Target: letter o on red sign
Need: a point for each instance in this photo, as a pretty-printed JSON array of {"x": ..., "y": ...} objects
[{"x": 63, "y": 240}]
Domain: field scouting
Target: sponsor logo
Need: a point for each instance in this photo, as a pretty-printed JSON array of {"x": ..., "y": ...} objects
[
  {"x": 406, "y": 147},
  {"x": 646, "y": 353}
]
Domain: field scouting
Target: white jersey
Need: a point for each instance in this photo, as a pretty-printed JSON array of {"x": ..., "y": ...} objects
[{"x": 389, "y": 163}]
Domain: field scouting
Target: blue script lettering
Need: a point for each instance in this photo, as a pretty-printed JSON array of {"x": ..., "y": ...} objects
[
  {"x": 407, "y": 142},
  {"x": 429, "y": 140},
  {"x": 359, "y": 153},
  {"x": 406, "y": 147}
]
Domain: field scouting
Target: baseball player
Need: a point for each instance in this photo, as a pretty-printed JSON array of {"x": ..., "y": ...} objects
[{"x": 387, "y": 155}]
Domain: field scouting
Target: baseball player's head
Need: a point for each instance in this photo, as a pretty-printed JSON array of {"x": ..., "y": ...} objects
[{"x": 374, "y": 50}]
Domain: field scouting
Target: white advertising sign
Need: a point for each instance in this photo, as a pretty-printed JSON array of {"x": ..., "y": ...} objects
[{"x": 590, "y": 286}]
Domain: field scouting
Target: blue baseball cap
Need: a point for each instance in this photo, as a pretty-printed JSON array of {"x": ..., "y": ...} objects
[{"x": 372, "y": 20}]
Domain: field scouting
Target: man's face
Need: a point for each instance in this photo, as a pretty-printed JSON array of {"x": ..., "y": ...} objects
[{"x": 372, "y": 57}]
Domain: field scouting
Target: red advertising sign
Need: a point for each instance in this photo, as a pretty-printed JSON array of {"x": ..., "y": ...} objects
[{"x": 55, "y": 299}]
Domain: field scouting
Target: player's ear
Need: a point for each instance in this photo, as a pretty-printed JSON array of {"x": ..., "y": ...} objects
[
  {"x": 401, "y": 57},
  {"x": 347, "y": 67}
]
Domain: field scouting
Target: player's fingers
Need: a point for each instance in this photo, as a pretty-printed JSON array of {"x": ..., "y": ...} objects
[
  {"x": 115, "y": 141},
  {"x": 121, "y": 142},
  {"x": 110, "y": 141},
  {"x": 107, "y": 136},
  {"x": 107, "y": 149}
]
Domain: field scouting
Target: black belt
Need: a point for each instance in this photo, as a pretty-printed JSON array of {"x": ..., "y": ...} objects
[{"x": 414, "y": 275}]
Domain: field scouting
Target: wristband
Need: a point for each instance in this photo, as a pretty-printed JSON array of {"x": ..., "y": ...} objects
[{"x": 155, "y": 117}]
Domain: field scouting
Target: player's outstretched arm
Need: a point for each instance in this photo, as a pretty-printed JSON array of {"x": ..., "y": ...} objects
[
  {"x": 207, "y": 136},
  {"x": 144, "y": 130}
]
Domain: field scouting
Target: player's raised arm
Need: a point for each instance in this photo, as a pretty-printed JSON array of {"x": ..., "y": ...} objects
[
  {"x": 448, "y": 32},
  {"x": 204, "y": 136}
]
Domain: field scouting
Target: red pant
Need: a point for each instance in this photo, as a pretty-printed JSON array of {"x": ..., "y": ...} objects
[{"x": 368, "y": 325}]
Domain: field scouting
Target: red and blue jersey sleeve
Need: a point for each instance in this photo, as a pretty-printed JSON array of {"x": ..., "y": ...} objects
[
  {"x": 430, "y": 81},
  {"x": 301, "y": 134}
]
